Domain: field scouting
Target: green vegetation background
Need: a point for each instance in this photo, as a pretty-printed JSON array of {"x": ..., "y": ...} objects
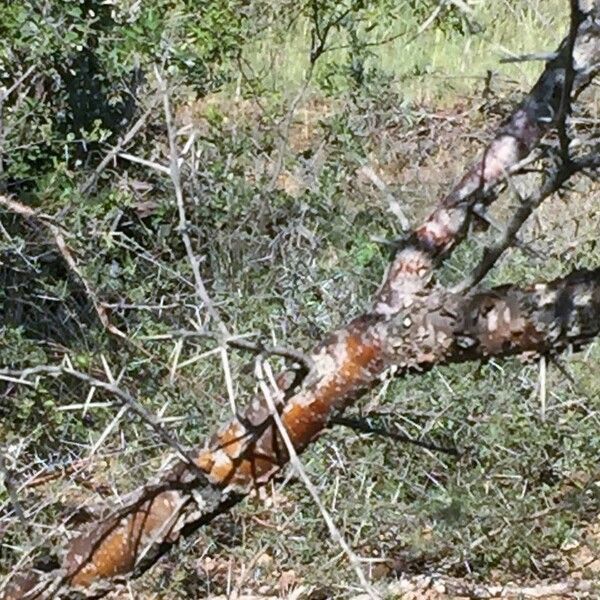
[{"x": 287, "y": 255}]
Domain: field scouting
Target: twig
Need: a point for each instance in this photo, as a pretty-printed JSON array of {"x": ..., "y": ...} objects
[
  {"x": 426, "y": 23},
  {"x": 59, "y": 241},
  {"x": 261, "y": 370},
  {"x": 284, "y": 133},
  {"x": 241, "y": 343},
  {"x": 492, "y": 253},
  {"x": 228, "y": 379},
  {"x": 394, "y": 205},
  {"x": 47, "y": 474},
  {"x": 542, "y": 390},
  {"x": 319, "y": 36},
  {"x": 363, "y": 426},
  {"x": 146, "y": 163},
  {"x": 175, "y": 174},
  {"x": 392, "y": 38},
  {"x": 6, "y": 93},
  {"x": 564, "y": 110},
  {"x": 93, "y": 178},
  {"x": 22, "y": 377},
  {"x": 200, "y": 288},
  {"x": 481, "y": 213},
  {"x": 545, "y": 56}
]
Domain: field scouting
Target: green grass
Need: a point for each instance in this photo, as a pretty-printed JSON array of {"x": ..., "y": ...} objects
[
  {"x": 291, "y": 268},
  {"x": 439, "y": 65}
]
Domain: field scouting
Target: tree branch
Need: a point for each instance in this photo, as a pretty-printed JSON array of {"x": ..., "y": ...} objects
[
  {"x": 435, "y": 239},
  {"x": 554, "y": 183},
  {"x": 414, "y": 327},
  {"x": 441, "y": 328},
  {"x": 58, "y": 237}
]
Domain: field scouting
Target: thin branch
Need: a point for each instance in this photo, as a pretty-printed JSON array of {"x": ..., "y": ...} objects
[
  {"x": 394, "y": 205},
  {"x": 22, "y": 377},
  {"x": 241, "y": 343},
  {"x": 294, "y": 460},
  {"x": 544, "y": 56},
  {"x": 492, "y": 253},
  {"x": 5, "y": 93},
  {"x": 146, "y": 163},
  {"x": 183, "y": 227},
  {"x": 577, "y": 17},
  {"x": 59, "y": 241},
  {"x": 364, "y": 426},
  {"x": 287, "y": 121},
  {"x": 90, "y": 182}
]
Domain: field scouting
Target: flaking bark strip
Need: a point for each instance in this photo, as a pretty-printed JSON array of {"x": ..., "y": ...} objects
[{"x": 441, "y": 328}]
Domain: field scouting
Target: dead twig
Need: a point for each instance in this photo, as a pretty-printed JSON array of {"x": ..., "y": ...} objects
[
  {"x": 394, "y": 205},
  {"x": 267, "y": 391},
  {"x": 242, "y": 343},
  {"x": 90, "y": 182},
  {"x": 183, "y": 227},
  {"x": 364, "y": 426},
  {"x": 61, "y": 245},
  {"x": 23, "y": 377}
]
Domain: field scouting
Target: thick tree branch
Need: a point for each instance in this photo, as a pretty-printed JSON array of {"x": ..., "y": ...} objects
[
  {"x": 435, "y": 239},
  {"x": 440, "y": 328},
  {"x": 414, "y": 326}
]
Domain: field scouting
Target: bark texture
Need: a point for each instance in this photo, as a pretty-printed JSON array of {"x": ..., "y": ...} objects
[
  {"x": 446, "y": 226},
  {"x": 412, "y": 326}
]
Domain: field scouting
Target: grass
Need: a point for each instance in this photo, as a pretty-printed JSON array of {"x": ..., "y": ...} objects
[
  {"x": 438, "y": 66},
  {"x": 517, "y": 504}
]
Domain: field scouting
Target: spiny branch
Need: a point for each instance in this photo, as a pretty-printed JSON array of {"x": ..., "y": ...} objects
[
  {"x": 58, "y": 237},
  {"x": 441, "y": 232},
  {"x": 442, "y": 328},
  {"x": 413, "y": 327}
]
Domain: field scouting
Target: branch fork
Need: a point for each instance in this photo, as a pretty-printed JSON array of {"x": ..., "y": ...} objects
[{"x": 412, "y": 326}]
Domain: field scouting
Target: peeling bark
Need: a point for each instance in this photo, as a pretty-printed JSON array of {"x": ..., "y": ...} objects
[
  {"x": 446, "y": 226},
  {"x": 412, "y": 327},
  {"x": 439, "y": 328}
]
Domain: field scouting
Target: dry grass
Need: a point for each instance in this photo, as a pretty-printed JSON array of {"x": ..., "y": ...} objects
[{"x": 521, "y": 505}]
